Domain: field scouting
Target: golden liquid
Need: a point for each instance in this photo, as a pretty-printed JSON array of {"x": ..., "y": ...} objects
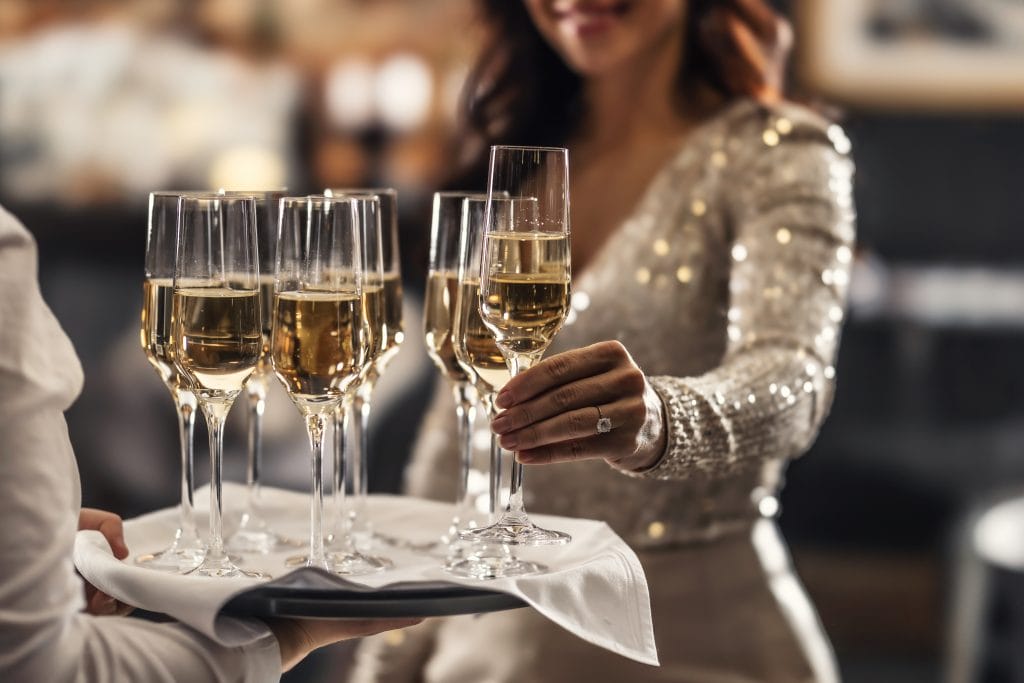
[
  {"x": 392, "y": 313},
  {"x": 155, "y": 332},
  {"x": 526, "y": 295},
  {"x": 438, "y": 316},
  {"x": 374, "y": 323},
  {"x": 316, "y": 345},
  {"x": 266, "y": 285},
  {"x": 217, "y": 338},
  {"x": 475, "y": 346},
  {"x": 525, "y": 311}
]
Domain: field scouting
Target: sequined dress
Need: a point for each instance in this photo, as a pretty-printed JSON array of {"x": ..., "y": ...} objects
[{"x": 727, "y": 285}]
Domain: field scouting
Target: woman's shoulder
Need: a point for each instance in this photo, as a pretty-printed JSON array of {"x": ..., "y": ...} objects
[{"x": 760, "y": 126}]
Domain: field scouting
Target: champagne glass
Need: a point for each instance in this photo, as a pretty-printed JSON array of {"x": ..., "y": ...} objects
[
  {"x": 343, "y": 559},
  {"x": 393, "y": 336},
  {"x": 478, "y": 355},
  {"x": 216, "y": 330},
  {"x": 317, "y": 339},
  {"x": 186, "y": 549},
  {"x": 254, "y": 534},
  {"x": 441, "y": 296},
  {"x": 524, "y": 287}
]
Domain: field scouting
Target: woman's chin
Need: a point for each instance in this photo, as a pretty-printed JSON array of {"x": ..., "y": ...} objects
[{"x": 594, "y": 63}]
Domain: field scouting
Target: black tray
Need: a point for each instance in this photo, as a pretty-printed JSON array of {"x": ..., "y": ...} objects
[{"x": 354, "y": 601}]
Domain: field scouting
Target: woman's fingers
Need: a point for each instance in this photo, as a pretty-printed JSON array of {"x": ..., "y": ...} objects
[
  {"x": 751, "y": 43},
  {"x": 599, "y": 446},
  {"x": 760, "y": 17},
  {"x": 626, "y": 415},
  {"x": 561, "y": 369},
  {"x": 585, "y": 393}
]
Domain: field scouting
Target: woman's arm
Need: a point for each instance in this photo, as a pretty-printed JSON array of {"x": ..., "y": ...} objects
[
  {"x": 791, "y": 257},
  {"x": 792, "y": 219}
]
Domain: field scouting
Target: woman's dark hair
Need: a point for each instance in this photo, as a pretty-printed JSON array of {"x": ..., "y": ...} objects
[{"x": 521, "y": 92}]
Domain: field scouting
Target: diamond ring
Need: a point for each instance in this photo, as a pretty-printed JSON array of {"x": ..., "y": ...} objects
[{"x": 604, "y": 424}]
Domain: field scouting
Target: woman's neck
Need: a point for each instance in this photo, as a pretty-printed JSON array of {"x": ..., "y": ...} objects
[{"x": 639, "y": 100}]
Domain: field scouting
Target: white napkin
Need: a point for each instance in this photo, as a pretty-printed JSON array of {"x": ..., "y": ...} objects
[{"x": 595, "y": 586}]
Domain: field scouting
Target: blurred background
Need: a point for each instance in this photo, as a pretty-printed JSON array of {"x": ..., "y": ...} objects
[{"x": 101, "y": 102}]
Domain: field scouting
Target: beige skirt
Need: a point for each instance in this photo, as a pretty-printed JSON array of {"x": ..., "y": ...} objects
[{"x": 728, "y": 610}]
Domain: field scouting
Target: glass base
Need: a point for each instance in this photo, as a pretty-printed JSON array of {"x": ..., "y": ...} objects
[
  {"x": 354, "y": 563},
  {"x": 260, "y": 542},
  {"x": 451, "y": 536},
  {"x": 172, "y": 559},
  {"x": 224, "y": 568},
  {"x": 181, "y": 556},
  {"x": 489, "y": 562},
  {"x": 350, "y": 564},
  {"x": 514, "y": 528}
]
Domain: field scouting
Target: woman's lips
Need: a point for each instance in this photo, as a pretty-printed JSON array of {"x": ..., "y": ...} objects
[{"x": 589, "y": 18}]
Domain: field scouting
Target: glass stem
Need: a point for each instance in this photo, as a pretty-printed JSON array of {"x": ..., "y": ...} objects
[
  {"x": 338, "y": 483},
  {"x": 360, "y": 463},
  {"x": 186, "y": 405},
  {"x": 517, "y": 363},
  {"x": 465, "y": 413},
  {"x": 342, "y": 537},
  {"x": 495, "y": 472},
  {"x": 256, "y": 390},
  {"x": 315, "y": 428},
  {"x": 215, "y": 414}
]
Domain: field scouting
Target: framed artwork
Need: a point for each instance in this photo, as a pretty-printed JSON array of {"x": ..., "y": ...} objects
[{"x": 914, "y": 54}]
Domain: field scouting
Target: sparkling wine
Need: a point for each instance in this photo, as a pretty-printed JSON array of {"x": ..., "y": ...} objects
[
  {"x": 317, "y": 345},
  {"x": 155, "y": 333},
  {"x": 526, "y": 295},
  {"x": 392, "y": 314},
  {"x": 439, "y": 315},
  {"x": 374, "y": 322},
  {"x": 217, "y": 338},
  {"x": 475, "y": 347},
  {"x": 266, "y": 285}
]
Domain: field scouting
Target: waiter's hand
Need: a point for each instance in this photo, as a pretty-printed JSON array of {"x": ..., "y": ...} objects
[
  {"x": 108, "y": 524},
  {"x": 298, "y": 637}
]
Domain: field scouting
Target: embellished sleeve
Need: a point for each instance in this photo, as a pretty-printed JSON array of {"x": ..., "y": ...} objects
[{"x": 792, "y": 230}]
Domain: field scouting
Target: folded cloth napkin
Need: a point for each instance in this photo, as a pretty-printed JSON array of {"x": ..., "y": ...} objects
[{"x": 595, "y": 586}]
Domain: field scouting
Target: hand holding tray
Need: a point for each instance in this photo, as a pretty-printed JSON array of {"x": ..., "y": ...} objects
[{"x": 596, "y": 587}]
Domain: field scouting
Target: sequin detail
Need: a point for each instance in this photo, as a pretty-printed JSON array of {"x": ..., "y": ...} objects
[{"x": 715, "y": 286}]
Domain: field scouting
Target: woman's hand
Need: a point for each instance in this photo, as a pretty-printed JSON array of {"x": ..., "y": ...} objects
[
  {"x": 108, "y": 524},
  {"x": 550, "y": 411},
  {"x": 298, "y": 637},
  {"x": 752, "y": 42}
]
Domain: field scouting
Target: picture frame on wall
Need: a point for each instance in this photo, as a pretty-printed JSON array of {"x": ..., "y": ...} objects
[{"x": 914, "y": 54}]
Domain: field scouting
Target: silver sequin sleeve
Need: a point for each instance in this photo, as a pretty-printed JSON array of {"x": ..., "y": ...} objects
[{"x": 789, "y": 213}]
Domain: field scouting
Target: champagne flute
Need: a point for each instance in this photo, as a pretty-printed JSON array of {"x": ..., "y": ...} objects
[
  {"x": 216, "y": 330},
  {"x": 393, "y": 336},
  {"x": 343, "y": 559},
  {"x": 254, "y": 534},
  {"x": 317, "y": 339},
  {"x": 477, "y": 353},
  {"x": 186, "y": 550},
  {"x": 524, "y": 288},
  {"x": 441, "y": 296}
]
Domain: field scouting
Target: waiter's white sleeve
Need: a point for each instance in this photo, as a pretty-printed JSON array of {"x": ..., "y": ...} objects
[{"x": 44, "y": 636}]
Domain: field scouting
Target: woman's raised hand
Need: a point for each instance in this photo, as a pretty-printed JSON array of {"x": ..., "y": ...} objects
[
  {"x": 752, "y": 42},
  {"x": 551, "y": 411}
]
